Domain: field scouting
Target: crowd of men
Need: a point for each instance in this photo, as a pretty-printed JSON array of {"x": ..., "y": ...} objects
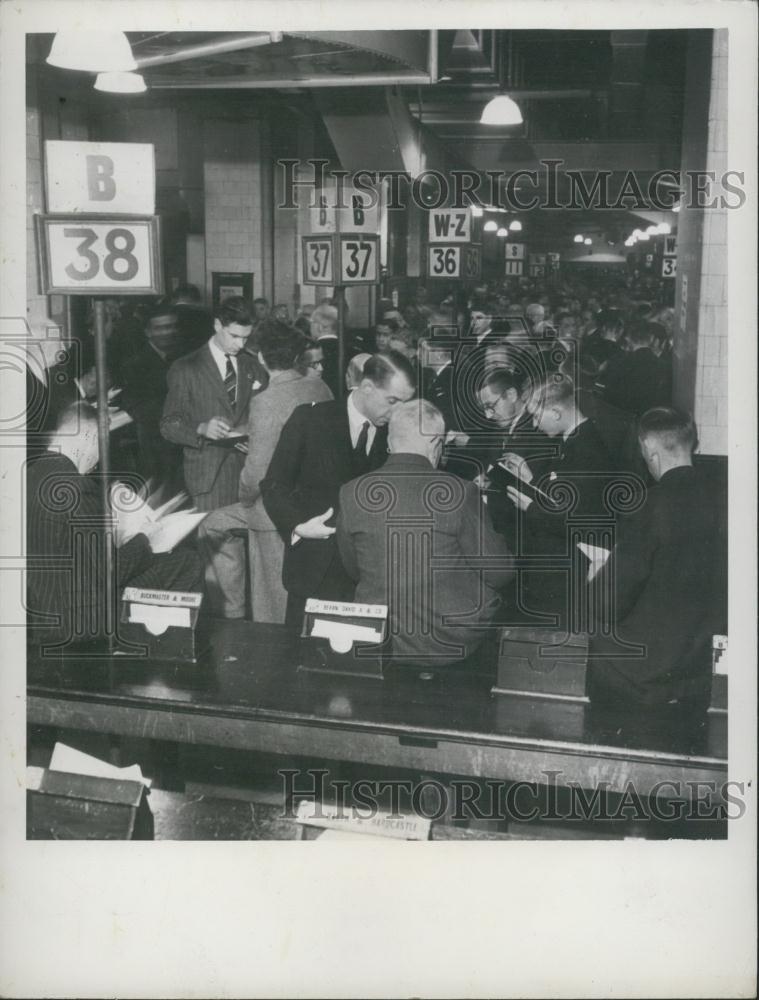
[{"x": 509, "y": 456}]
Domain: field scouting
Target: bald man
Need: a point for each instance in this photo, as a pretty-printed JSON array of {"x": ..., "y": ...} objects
[{"x": 413, "y": 537}]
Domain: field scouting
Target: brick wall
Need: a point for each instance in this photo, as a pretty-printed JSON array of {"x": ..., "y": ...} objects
[
  {"x": 710, "y": 409},
  {"x": 233, "y": 201}
]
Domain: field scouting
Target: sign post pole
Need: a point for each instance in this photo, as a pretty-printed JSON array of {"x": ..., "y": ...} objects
[
  {"x": 340, "y": 302},
  {"x": 104, "y": 462}
]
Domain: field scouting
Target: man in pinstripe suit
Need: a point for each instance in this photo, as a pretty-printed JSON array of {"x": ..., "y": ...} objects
[{"x": 206, "y": 408}]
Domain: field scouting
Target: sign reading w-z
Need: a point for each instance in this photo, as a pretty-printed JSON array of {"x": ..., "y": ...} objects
[{"x": 448, "y": 225}]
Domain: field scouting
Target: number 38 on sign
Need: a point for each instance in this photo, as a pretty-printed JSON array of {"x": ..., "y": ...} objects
[{"x": 82, "y": 255}]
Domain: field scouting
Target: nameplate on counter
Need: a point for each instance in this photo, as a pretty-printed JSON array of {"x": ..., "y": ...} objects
[
  {"x": 185, "y": 599},
  {"x": 351, "y": 820},
  {"x": 344, "y": 609}
]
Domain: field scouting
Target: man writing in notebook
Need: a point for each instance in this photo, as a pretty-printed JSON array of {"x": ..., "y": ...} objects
[{"x": 206, "y": 408}]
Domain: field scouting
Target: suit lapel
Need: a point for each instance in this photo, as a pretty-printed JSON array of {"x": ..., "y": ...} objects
[{"x": 212, "y": 374}]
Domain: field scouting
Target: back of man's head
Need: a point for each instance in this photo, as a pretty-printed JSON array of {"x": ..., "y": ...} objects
[
  {"x": 186, "y": 295},
  {"x": 670, "y": 431},
  {"x": 76, "y": 435},
  {"x": 279, "y": 345},
  {"x": 416, "y": 428},
  {"x": 640, "y": 335}
]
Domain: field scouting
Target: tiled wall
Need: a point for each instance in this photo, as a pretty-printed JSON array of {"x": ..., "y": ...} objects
[
  {"x": 711, "y": 363},
  {"x": 233, "y": 201}
]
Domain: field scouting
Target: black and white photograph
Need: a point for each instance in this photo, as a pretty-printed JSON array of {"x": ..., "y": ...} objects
[{"x": 379, "y": 468}]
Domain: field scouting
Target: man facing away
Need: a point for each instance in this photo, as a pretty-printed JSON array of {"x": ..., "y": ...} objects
[
  {"x": 414, "y": 537},
  {"x": 66, "y": 539},
  {"x": 321, "y": 447},
  {"x": 668, "y": 575},
  {"x": 206, "y": 409}
]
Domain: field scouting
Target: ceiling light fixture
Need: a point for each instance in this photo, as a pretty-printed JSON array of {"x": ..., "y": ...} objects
[
  {"x": 579, "y": 238},
  {"x": 476, "y": 211},
  {"x": 515, "y": 226},
  {"x": 652, "y": 230},
  {"x": 644, "y": 237},
  {"x": 587, "y": 241},
  {"x": 664, "y": 229},
  {"x": 92, "y": 52},
  {"x": 675, "y": 208},
  {"x": 120, "y": 83},
  {"x": 490, "y": 226},
  {"x": 502, "y": 232},
  {"x": 501, "y": 110}
]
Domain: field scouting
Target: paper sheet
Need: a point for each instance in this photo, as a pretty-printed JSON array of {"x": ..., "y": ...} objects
[
  {"x": 325, "y": 629},
  {"x": 598, "y": 556},
  {"x": 173, "y": 528},
  {"x": 66, "y": 758},
  {"x": 157, "y": 619}
]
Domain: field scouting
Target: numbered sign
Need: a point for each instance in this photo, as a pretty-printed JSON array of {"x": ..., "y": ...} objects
[
  {"x": 318, "y": 260},
  {"x": 454, "y": 261},
  {"x": 553, "y": 259},
  {"x": 537, "y": 258},
  {"x": 515, "y": 251},
  {"x": 79, "y": 255},
  {"x": 100, "y": 178},
  {"x": 514, "y": 268},
  {"x": 669, "y": 267},
  {"x": 537, "y": 270},
  {"x": 359, "y": 259},
  {"x": 670, "y": 246},
  {"x": 450, "y": 225}
]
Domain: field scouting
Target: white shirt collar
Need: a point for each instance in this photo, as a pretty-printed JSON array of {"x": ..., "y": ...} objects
[
  {"x": 356, "y": 422},
  {"x": 220, "y": 358}
]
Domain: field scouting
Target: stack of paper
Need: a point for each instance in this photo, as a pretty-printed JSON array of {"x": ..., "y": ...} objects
[{"x": 66, "y": 758}]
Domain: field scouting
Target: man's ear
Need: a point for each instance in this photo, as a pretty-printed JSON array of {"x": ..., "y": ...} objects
[{"x": 217, "y": 326}]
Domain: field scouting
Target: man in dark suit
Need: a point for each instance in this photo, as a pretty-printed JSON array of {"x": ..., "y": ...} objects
[
  {"x": 324, "y": 332},
  {"x": 669, "y": 577},
  {"x": 413, "y": 538},
  {"x": 321, "y": 447},
  {"x": 144, "y": 390},
  {"x": 206, "y": 408},
  {"x": 66, "y": 528},
  {"x": 637, "y": 380},
  {"x": 574, "y": 482}
]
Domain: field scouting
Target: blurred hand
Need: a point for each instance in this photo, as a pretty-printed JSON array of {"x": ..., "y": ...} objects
[
  {"x": 457, "y": 439},
  {"x": 315, "y": 527},
  {"x": 215, "y": 429},
  {"x": 520, "y": 499},
  {"x": 518, "y": 466}
]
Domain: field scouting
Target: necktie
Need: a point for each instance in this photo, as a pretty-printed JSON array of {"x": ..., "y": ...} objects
[
  {"x": 359, "y": 452},
  {"x": 230, "y": 381}
]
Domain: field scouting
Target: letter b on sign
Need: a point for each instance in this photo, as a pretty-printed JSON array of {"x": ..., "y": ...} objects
[{"x": 100, "y": 183}]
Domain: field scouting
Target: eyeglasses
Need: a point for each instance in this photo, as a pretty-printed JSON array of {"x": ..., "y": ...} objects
[{"x": 489, "y": 408}]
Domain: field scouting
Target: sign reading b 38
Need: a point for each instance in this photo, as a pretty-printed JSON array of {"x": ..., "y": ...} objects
[{"x": 83, "y": 255}]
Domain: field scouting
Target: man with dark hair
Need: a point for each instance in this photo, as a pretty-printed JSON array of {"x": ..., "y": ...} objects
[
  {"x": 195, "y": 323},
  {"x": 602, "y": 345},
  {"x": 668, "y": 575},
  {"x": 637, "y": 380},
  {"x": 66, "y": 539},
  {"x": 144, "y": 390},
  {"x": 224, "y": 535},
  {"x": 438, "y": 614},
  {"x": 324, "y": 331},
  {"x": 207, "y": 405},
  {"x": 321, "y": 447},
  {"x": 385, "y": 328}
]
